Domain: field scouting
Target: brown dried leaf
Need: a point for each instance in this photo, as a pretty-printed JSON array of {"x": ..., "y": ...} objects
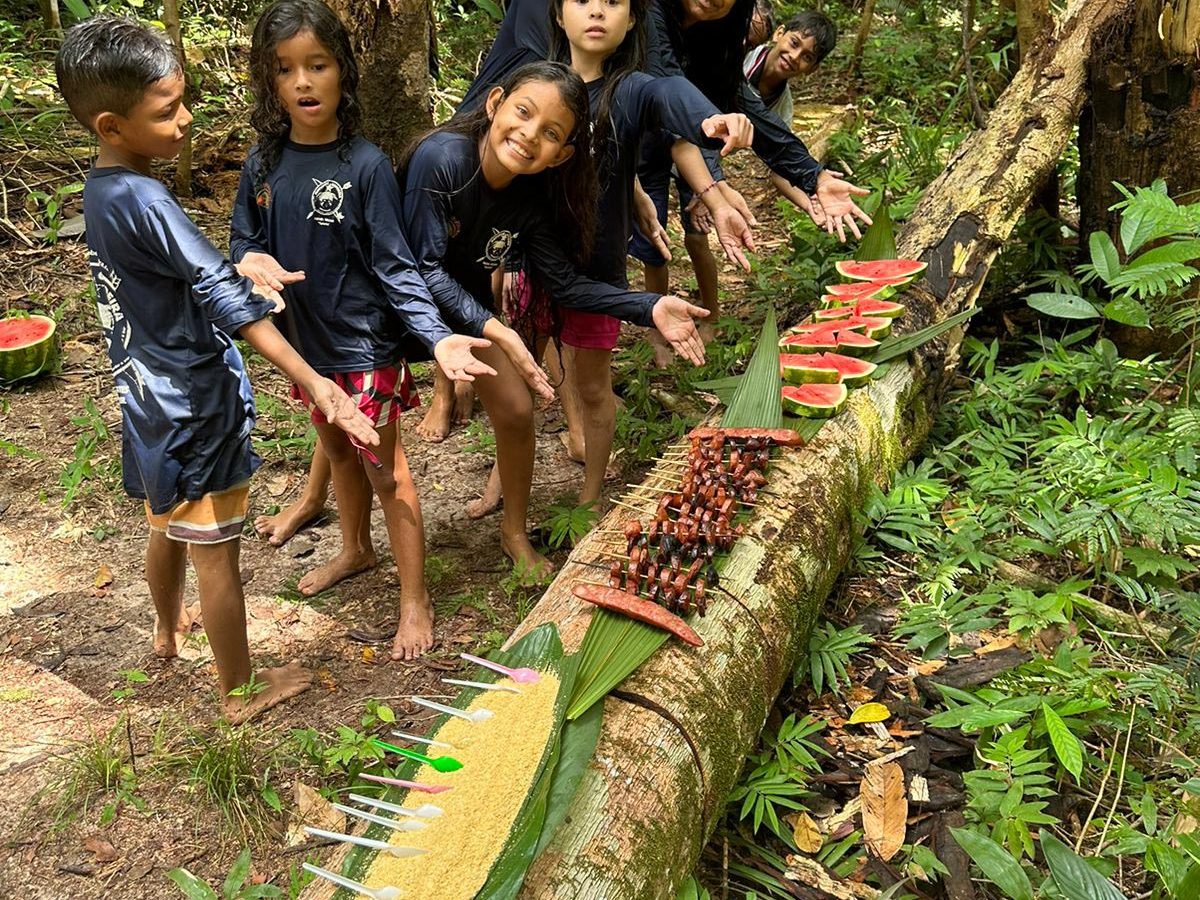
[
  {"x": 314, "y": 810},
  {"x": 884, "y": 809},
  {"x": 104, "y": 577},
  {"x": 805, "y": 833}
]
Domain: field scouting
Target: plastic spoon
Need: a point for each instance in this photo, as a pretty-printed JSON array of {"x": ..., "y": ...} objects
[
  {"x": 412, "y": 825},
  {"x": 381, "y": 846},
  {"x": 479, "y": 715},
  {"x": 424, "y": 811},
  {"x": 383, "y": 893},
  {"x": 482, "y": 685},
  {"x": 520, "y": 676},
  {"x": 423, "y": 740},
  {"x": 411, "y": 785},
  {"x": 441, "y": 764}
]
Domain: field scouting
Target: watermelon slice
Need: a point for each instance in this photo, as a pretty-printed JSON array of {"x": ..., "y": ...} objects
[
  {"x": 880, "y": 268},
  {"x": 825, "y": 368},
  {"x": 817, "y": 327},
  {"x": 872, "y": 326},
  {"x": 809, "y": 343},
  {"x": 808, "y": 368},
  {"x": 873, "y": 307},
  {"x": 852, "y": 342},
  {"x": 27, "y": 347},
  {"x": 881, "y": 288},
  {"x": 815, "y": 401},
  {"x": 836, "y": 312}
]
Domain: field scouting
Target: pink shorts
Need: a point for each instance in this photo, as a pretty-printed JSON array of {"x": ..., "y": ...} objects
[
  {"x": 589, "y": 331},
  {"x": 583, "y": 330}
]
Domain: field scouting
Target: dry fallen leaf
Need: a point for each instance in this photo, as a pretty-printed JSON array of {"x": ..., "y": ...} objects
[
  {"x": 884, "y": 809},
  {"x": 368, "y": 654},
  {"x": 869, "y": 712},
  {"x": 104, "y": 576},
  {"x": 314, "y": 810},
  {"x": 805, "y": 833}
]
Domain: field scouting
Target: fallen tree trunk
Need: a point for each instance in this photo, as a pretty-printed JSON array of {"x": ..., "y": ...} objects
[{"x": 677, "y": 731}]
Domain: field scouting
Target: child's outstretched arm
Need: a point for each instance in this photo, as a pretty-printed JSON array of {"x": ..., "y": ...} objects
[
  {"x": 248, "y": 239},
  {"x": 338, "y": 408},
  {"x": 732, "y": 229}
]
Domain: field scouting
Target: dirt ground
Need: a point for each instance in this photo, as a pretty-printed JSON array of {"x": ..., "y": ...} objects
[{"x": 75, "y": 613}]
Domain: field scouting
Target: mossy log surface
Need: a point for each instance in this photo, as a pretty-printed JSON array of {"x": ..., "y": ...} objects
[{"x": 677, "y": 731}]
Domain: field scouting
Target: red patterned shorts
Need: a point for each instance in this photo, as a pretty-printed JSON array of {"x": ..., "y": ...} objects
[
  {"x": 583, "y": 330},
  {"x": 380, "y": 394}
]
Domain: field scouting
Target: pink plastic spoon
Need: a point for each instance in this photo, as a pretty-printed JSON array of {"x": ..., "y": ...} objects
[
  {"x": 520, "y": 676},
  {"x": 411, "y": 785}
]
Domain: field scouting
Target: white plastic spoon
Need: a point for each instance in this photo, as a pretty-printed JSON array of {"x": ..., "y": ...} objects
[
  {"x": 381, "y": 846},
  {"x": 424, "y": 811},
  {"x": 383, "y": 893},
  {"x": 410, "y": 825},
  {"x": 423, "y": 740},
  {"x": 482, "y": 685},
  {"x": 479, "y": 715}
]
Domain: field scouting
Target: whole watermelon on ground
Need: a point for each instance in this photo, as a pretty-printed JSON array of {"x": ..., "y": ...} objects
[{"x": 27, "y": 347}]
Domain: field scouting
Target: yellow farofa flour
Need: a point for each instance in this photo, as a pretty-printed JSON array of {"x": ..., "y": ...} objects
[{"x": 500, "y": 758}]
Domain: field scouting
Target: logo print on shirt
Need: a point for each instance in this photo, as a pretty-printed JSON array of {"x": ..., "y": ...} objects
[
  {"x": 495, "y": 251},
  {"x": 327, "y": 197},
  {"x": 115, "y": 327}
]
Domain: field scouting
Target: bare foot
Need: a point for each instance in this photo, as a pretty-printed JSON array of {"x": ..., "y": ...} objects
[
  {"x": 276, "y": 686},
  {"x": 166, "y": 640},
  {"x": 524, "y": 557},
  {"x": 345, "y": 564},
  {"x": 464, "y": 402},
  {"x": 663, "y": 354},
  {"x": 573, "y": 445},
  {"x": 436, "y": 424},
  {"x": 414, "y": 634},
  {"x": 489, "y": 501},
  {"x": 279, "y": 528}
]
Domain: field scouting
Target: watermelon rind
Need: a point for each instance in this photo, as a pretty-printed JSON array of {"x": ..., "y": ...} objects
[
  {"x": 872, "y": 270},
  {"x": 854, "y": 372},
  {"x": 815, "y": 401},
  {"x": 880, "y": 288},
  {"x": 872, "y": 306},
  {"x": 854, "y": 344},
  {"x": 834, "y": 312},
  {"x": 808, "y": 343},
  {"x": 32, "y": 358},
  {"x": 876, "y": 327},
  {"x": 808, "y": 368}
]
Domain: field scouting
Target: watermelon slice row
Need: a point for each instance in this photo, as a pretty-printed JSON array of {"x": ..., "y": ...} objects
[
  {"x": 844, "y": 340},
  {"x": 825, "y": 368},
  {"x": 27, "y": 347}
]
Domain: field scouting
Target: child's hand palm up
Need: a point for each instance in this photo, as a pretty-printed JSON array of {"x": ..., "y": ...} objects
[
  {"x": 458, "y": 363},
  {"x": 340, "y": 410}
]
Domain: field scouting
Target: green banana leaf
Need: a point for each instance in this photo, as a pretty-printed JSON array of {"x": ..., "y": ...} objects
[
  {"x": 540, "y": 649},
  {"x": 757, "y": 403},
  {"x": 903, "y": 344},
  {"x": 880, "y": 240},
  {"x": 577, "y": 745}
]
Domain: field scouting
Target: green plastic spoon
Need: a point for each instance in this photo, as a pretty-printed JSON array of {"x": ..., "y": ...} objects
[{"x": 440, "y": 763}]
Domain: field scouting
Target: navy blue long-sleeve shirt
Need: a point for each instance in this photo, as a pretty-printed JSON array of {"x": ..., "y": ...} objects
[
  {"x": 461, "y": 230},
  {"x": 774, "y": 143},
  {"x": 333, "y": 211},
  {"x": 641, "y": 104},
  {"x": 168, "y": 304}
]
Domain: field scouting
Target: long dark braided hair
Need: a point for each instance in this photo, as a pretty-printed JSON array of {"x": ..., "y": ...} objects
[
  {"x": 629, "y": 57},
  {"x": 282, "y": 20}
]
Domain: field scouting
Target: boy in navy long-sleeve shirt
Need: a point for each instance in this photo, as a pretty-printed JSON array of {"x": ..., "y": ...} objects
[{"x": 169, "y": 305}]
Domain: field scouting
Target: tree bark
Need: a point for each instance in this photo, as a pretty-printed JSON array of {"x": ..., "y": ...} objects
[
  {"x": 183, "y": 162},
  {"x": 860, "y": 40},
  {"x": 1143, "y": 118},
  {"x": 677, "y": 731},
  {"x": 393, "y": 40},
  {"x": 50, "y": 17}
]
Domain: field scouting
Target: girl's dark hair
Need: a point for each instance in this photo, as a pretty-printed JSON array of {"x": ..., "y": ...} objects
[
  {"x": 714, "y": 53},
  {"x": 570, "y": 187},
  {"x": 629, "y": 57},
  {"x": 282, "y": 20}
]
